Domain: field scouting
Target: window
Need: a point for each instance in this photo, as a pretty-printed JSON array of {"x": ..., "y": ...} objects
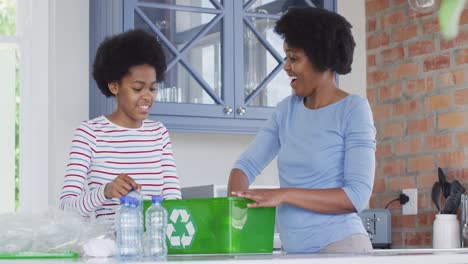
[{"x": 9, "y": 100}]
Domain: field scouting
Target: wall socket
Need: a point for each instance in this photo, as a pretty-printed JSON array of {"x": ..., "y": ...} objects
[{"x": 411, "y": 207}]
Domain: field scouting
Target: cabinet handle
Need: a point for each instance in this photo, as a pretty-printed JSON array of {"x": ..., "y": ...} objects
[
  {"x": 241, "y": 110},
  {"x": 227, "y": 110}
]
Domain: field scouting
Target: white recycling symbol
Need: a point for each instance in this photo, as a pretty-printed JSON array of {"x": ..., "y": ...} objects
[{"x": 185, "y": 239}]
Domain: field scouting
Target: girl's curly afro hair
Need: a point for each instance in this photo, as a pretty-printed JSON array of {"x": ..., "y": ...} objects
[{"x": 117, "y": 54}]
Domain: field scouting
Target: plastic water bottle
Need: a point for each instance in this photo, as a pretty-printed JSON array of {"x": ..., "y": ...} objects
[
  {"x": 137, "y": 196},
  {"x": 156, "y": 224},
  {"x": 129, "y": 228}
]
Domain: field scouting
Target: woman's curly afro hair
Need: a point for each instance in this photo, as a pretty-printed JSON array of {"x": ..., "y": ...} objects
[
  {"x": 117, "y": 54},
  {"x": 325, "y": 37}
]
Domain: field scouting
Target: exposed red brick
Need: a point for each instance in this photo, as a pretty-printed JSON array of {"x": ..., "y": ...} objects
[
  {"x": 460, "y": 41},
  {"x": 396, "y": 129},
  {"x": 406, "y": 107},
  {"x": 376, "y": 6},
  {"x": 437, "y": 102},
  {"x": 462, "y": 56},
  {"x": 421, "y": 47},
  {"x": 371, "y": 62},
  {"x": 439, "y": 142},
  {"x": 402, "y": 221},
  {"x": 404, "y": 33},
  {"x": 379, "y": 185},
  {"x": 437, "y": 62},
  {"x": 373, "y": 203},
  {"x": 377, "y": 77},
  {"x": 426, "y": 219},
  {"x": 399, "y": 183},
  {"x": 462, "y": 139},
  {"x": 461, "y": 97},
  {"x": 392, "y": 19},
  {"x": 371, "y": 96},
  {"x": 371, "y": 25},
  {"x": 452, "y": 120},
  {"x": 418, "y": 126},
  {"x": 378, "y": 40},
  {"x": 421, "y": 238},
  {"x": 381, "y": 112},
  {"x": 386, "y": 198},
  {"x": 431, "y": 26},
  {"x": 449, "y": 159},
  {"x": 464, "y": 17},
  {"x": 399, "y": 2},
  {"x": 452, "y": 78},
  {"x": 426, "y": 180},
  {"x": 458, "y": 174},
  {"x": 406, "y": 70},
  {"x": 397, "y": 238},
  {"x": 421, "y": 163},
  {"x": 416, "y": 16},
  {"x": 418, "y": 91},
  {"x": 383, "y": 150},
  {"x": 390, "y": 92},
  {"x": 393, "y": 167},
  {"x": 420, "y": 86},
  {"x": 410, "y": 146},
  {"x": 423, "y": 201},
  {"x": 390, "y": 55}
]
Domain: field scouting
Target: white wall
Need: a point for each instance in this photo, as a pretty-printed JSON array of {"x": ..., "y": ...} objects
[
  {"x": 355, "y": 13},
  {"x": 69, "y": 78},
  {"x": 201, "y": 158}
]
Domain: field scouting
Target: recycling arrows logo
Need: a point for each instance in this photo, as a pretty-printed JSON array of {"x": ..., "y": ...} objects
[{"x": 180, "y": 229}]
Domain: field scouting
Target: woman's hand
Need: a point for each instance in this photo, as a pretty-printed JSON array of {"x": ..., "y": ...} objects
[
  {"x": 263, "y": 197},
  {"x": 120, "y": 186}
]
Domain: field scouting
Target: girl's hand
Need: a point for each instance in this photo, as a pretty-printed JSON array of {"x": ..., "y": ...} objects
[
  {"x": 120, "y": 186},
  {"x": 263, "y": 197}
]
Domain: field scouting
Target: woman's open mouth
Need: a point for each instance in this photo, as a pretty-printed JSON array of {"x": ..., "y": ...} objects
[{"x": 293, "y": 80}]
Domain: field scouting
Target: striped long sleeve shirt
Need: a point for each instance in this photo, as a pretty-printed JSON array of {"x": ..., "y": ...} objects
[{"x": 101, "y": 151}]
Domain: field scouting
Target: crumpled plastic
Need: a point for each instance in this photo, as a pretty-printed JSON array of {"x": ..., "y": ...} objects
[
  {"x": 54, "y": 231},
  {"x": 100, "y": 247}
]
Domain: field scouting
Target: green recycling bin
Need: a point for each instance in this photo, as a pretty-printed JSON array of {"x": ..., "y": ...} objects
[{"x": 217, "y": 225}]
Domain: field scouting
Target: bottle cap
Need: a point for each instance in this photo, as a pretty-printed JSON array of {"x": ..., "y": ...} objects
[
  {"x": 124, "y": 200},
  {"x": 156, "y": 199}
]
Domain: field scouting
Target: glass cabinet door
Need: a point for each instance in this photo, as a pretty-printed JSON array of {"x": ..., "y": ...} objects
[
  {"x": 264, "y": 83},
  {"x": 191, "y": 33}
]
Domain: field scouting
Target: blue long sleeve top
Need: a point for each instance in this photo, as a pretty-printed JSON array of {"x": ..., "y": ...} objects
[{"x": 330, "y": 147}]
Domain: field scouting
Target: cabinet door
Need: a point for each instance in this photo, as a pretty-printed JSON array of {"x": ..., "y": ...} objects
[
  {"x": 259, "y": 66},
  {"x": 199, "y": 77}
]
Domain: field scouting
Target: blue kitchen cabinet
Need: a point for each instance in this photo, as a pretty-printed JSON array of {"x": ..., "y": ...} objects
[{"x": 224, "y": 60}]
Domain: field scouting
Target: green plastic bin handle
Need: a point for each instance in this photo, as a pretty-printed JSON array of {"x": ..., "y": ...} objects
[{"x": 40, "y": 255}]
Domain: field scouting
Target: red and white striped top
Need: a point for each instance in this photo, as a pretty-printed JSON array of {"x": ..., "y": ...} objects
[{"x": 102, "y": 150}]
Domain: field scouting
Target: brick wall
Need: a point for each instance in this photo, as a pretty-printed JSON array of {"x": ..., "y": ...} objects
[{"x": 417, "y": 85}]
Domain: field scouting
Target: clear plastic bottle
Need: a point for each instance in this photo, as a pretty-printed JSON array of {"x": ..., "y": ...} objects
[
  {"x": 156, "y": 224},
  {"x": 129, "y": 228}
]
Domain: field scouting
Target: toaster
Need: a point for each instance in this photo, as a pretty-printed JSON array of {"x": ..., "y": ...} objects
[{"x": 378, "y": 224}]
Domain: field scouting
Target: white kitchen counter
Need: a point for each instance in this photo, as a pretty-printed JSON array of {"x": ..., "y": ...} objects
[{"x": 403, "y": 256}]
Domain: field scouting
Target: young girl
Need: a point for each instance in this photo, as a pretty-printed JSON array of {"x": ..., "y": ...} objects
[{"x": 110, "y": 155}]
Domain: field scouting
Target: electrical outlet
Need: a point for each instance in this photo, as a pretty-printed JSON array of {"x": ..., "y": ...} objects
[{"x": 411, "y": 207}]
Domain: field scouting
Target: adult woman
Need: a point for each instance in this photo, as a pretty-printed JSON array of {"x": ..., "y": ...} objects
[
  {"x": 324, "y": 139},
  {"x": 110, "y": 155}
]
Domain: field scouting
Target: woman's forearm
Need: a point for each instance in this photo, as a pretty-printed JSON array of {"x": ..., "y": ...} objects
[
  {"x": 326, "y": 201},
  {"x": 237, "y": 181}
]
